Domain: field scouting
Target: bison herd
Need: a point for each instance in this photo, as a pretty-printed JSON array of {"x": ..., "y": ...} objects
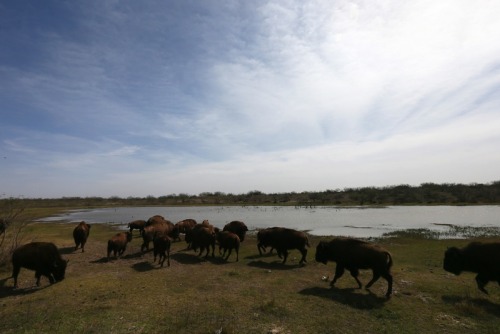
[{"x": 348, "y": 253}]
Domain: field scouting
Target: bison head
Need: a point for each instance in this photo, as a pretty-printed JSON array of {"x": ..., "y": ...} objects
[
  {"x": 453, "y": 261},
  {"x": 59, "y": 269},
  {"x": 322, "y": 252}
]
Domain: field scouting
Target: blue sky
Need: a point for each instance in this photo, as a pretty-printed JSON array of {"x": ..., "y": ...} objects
[{"x": 138, "y": 98}]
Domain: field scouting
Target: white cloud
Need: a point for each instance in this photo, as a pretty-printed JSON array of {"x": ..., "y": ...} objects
[{"x": 286, "y": 95}]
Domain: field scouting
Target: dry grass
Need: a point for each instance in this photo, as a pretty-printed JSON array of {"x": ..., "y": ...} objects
[{"x": 255, "y": 295}]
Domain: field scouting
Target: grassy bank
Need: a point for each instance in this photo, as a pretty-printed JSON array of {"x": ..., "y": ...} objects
[{"x": 255, "y": 295}]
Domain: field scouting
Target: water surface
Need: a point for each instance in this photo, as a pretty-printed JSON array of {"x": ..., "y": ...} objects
[{"x": 322, "y": 220}]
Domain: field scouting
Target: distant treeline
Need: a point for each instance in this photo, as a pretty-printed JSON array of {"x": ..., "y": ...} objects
[{"x": 425, "y": 194}]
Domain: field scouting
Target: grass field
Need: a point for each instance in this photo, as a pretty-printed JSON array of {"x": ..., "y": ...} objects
[{"x": 255, "y": 295}]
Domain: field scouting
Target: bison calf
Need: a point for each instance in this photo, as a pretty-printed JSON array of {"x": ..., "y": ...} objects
[
  {"x": 161, "y": 247},
  {"x": 43, "y": 258},
  {"x": 476, "y": 257},
  {"x": 80, "y": 235},
  {"x": 228, "y": 241},
  {"x": 118, "y": 243},
  {"x": 354, "y": 254}
]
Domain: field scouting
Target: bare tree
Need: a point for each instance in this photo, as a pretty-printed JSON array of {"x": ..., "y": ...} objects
[{"x": 12, "y": 224}]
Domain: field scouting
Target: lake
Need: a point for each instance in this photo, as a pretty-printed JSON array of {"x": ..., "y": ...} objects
[{"x": 321, "y": 220}]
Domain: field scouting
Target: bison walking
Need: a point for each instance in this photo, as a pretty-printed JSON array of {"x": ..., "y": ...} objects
[
  {"x": 353, "y": 254},
  {"x": 227, "y": 242},
  {"x": 157, "y": 226},
  {"x": 118, "y": 243},
  {"x": 476, "y": 257},
  {"x": 162, "y": 249},
  {"x": 136, "y": 225},
  {"x": 80, "y": 235},
  {"x": 43, "y": 258},
  {"x": 203, "y": 236},
  {"x": 264, "y": 239},
  {"x": 283, "y": 239},
  {"x": 184, "y": 226}
]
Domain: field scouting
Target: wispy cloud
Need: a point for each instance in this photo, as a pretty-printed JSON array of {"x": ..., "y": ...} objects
[{"x": 126, "y": 98}]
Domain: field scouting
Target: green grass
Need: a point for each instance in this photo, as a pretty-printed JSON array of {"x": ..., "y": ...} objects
[{"x": 255, "y": 295}]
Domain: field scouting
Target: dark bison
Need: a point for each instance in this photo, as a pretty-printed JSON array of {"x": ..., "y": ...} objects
[
  {"x": 202, "y": 236},
  {"x": 4, "y": 223},
  {"x": 237, "y": 227},
  {"x": 161, "y": 247},
  {"x": 185, "y": 225},
  {"x": 476, "y": 257},
  {"x": 136, "y": 225},
  {"x": 354, "y": 254},
  {"x": 227, "y": 242},
  {"x": 264, "y": 238},
  {"x": 80, "y": 235},
  {"x": 157, "y": 227},
  {"x": 118, "y": 243},
  {"x": 43, "y": 258},
  {"x": 283, "y": 239}
]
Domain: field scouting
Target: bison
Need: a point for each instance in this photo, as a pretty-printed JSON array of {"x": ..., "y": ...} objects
[
  {"x": 202, "y": 236},
  {"x": 237, "y": 227},
  {"x": 154, "y": 219},
  {"x": 353, "y": 254},
  {"x": 283, "y": 239},
  {"x": 228, "y": 241},
  {"x": 80, "y": 235},
  {"x": 136, "y": 225},
  {"x": 156, "y": 228},
  {"x": 43, "y": 258},
  {"x": 161, "y": 247},
  {"x": 4, "y": 223},
  {"x": 185, "y": 225},
  {"x": 477, "y": 257},
  {"x": 264, "y": 238},
  {"x": 118, "y": 243}
]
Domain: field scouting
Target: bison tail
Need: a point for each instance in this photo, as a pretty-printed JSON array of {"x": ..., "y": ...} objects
[
  {"x": 389, "y": 259},
  {"x": 307, "y": 242}
]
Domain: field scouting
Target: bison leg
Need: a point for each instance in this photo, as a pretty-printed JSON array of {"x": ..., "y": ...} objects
[
  {"x": 285, "y": 255},
  {"x": 260, "y": 248},
  {"x": 162, "y": 259},
  {"x": 354, "y": 273},
  {"x": 15, "y": 273},
  {"x": 339, "y": 271},
  {"x": 481, "y": 282},
  {"x": 304, "y": 254},
  {"x": 228, "y": 253},
  {"x": 38, "y": 275},
  {"x": 388, "y": 278},
  {"x": 375, "y": 277}
]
